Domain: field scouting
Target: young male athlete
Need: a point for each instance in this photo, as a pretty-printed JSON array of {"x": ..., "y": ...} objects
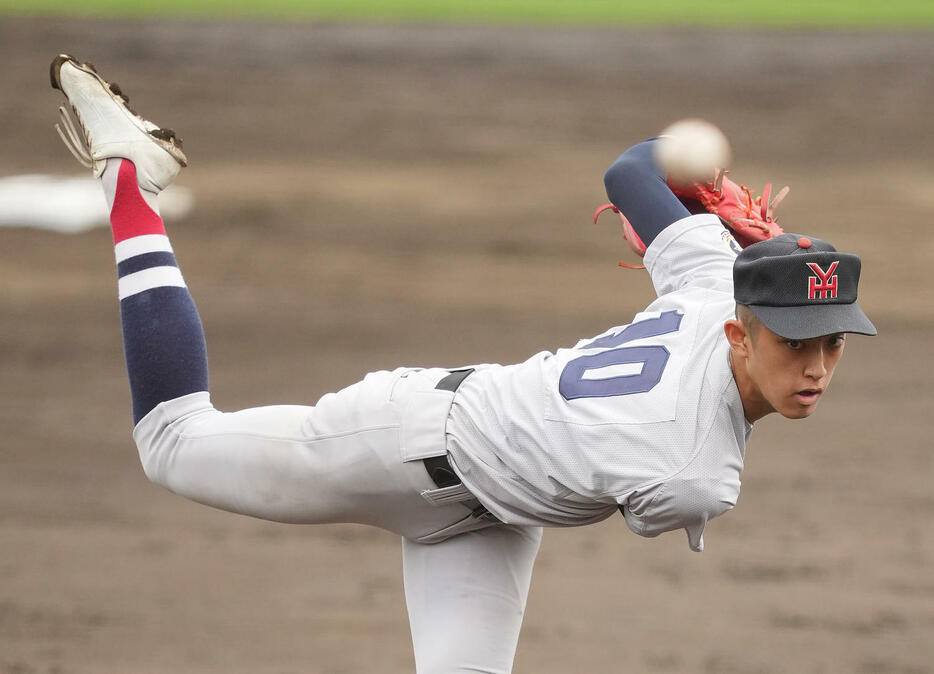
[{"x": 649, "y": 418}]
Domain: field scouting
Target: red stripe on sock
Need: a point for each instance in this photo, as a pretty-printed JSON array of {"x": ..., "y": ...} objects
[{"x": 131, "y": 215}]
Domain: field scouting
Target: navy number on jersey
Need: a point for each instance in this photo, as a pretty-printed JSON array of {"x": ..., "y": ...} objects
[{"x": 621, "y": 370}]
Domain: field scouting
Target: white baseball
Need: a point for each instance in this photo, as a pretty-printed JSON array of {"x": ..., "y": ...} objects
[{"x": 692, "y": 149}]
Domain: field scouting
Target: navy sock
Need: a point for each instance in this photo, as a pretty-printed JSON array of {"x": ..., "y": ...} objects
[{"x": 163, "y": 339}]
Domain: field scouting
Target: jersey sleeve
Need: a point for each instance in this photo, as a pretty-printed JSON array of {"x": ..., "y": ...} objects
[
  {"x": 679, "y": 504},
  {"x": 694, "y": 251},
  {"x": 704, "y": 489}
]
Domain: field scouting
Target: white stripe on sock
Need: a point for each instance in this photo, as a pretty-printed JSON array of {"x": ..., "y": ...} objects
[
  {"x": 154, "y": 277},
  {"x": 146, "y": 243}
]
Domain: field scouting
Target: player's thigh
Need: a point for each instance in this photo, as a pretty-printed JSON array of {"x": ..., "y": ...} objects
[
  {"x": 262, "y": 462},
  {"x": 466, "y": 598},
  {"x": 339, "y": 461}
]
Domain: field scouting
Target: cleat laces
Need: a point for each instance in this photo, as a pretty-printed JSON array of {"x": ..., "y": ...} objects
[{"x": 77, "y": 143}]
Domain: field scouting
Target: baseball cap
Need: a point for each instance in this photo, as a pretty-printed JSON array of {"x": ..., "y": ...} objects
[{"x": 800, "y": 287}]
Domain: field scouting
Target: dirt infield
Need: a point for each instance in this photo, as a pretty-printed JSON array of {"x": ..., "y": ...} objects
[{"x": 373, "y": 196}]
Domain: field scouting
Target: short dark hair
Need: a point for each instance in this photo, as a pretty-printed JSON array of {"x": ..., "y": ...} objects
[{"x": 745, "y": 316}]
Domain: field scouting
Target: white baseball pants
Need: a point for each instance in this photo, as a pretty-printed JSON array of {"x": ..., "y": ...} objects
[{"x": 356, "y": 457}]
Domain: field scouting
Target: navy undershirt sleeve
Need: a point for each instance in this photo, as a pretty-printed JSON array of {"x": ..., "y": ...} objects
[{"x": 636, "y": 187}]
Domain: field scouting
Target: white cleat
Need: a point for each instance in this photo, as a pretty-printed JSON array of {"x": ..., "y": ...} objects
[{"x": 104, "y": 127}]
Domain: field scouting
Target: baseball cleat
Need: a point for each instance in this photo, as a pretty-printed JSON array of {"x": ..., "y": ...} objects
[{"x": 101, "y": 126}]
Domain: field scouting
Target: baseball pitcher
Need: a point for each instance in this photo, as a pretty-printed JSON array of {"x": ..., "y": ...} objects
[{"x": 649, "y": 419}]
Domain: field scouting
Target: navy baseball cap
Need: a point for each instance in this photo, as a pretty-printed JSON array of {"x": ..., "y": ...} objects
[{"x": 800, "y": 287}]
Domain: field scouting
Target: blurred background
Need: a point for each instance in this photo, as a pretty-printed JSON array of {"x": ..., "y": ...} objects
[{"x": 375, "y": 184}]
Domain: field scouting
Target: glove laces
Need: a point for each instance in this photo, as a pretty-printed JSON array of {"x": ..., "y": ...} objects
[
  {"x": 756, "y": 209},
  {"x": 629, "y": 234}
]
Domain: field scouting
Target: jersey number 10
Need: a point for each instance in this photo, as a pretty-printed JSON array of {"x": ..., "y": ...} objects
[{"x": 574, "y": 382}]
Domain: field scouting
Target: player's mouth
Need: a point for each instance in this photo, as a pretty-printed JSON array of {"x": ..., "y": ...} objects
[{"x": 808, "y": 396}]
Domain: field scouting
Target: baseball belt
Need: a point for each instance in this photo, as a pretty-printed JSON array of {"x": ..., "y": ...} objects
[{"x": 438, "y": 467}]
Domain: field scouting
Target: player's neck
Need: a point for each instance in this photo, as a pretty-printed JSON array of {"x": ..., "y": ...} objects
[{"x": 755, "y": 406}]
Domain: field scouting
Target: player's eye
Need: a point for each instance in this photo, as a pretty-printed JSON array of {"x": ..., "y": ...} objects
[
  {"x": 795, "y": 344},
  {"x": 836, "y": 341}
]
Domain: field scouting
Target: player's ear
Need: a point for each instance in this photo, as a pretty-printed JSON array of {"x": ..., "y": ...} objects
[{"x": 738, "y": 336}]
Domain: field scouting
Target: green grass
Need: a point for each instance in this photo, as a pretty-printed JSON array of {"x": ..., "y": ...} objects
[{"x": 774, "y": 13}]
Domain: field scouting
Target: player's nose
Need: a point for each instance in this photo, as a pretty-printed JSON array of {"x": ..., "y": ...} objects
[{"x": 815, "y": 365}]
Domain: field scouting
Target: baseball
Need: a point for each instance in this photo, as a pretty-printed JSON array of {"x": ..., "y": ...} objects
[{"x": 692, "y": 149}]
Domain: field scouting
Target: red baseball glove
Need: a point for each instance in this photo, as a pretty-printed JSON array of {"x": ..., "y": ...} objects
[
  {"x": 749, "y": 218},
  {"x": 629, "y": 234}
]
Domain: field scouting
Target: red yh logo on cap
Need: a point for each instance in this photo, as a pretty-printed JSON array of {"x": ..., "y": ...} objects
[{"x": 822, "y": 286}]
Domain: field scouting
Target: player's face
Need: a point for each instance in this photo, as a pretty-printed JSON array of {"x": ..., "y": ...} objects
[{"x": 789, "y": 376}]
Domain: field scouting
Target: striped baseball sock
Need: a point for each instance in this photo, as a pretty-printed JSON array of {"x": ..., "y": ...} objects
[{"x": 163, "y": 339}]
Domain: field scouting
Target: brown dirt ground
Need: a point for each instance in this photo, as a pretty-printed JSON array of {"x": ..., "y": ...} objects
[{"x": 371, "y": 196}]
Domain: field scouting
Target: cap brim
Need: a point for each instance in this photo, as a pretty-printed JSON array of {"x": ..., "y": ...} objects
[{"x": 815, "y": 320}]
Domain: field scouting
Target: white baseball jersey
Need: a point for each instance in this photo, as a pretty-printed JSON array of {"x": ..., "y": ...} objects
[{"x": 646, "y": 417}]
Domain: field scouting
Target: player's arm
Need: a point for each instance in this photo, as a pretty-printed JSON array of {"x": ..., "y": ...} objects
[
  {"x": 636, "y": 187},
  {"x": 681, "y": 248}
]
